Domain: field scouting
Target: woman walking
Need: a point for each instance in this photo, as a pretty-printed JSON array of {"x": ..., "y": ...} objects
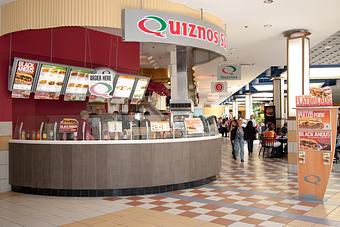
[
  {"x": 249, "y": 136},
  {"x": 237, "y": 138}
]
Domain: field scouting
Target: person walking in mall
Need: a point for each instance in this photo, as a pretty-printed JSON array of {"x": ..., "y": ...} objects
[
  {"x": 250, "y": 135},
  {"x": 224, "y": 129},
  {"x": 237, "y": 138}
]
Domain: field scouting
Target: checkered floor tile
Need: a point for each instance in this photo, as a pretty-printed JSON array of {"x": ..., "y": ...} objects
[{"x": 255, "y": 193}]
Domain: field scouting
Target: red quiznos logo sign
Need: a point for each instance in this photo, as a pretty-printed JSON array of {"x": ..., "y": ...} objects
[{"x": 182, "y": 29}]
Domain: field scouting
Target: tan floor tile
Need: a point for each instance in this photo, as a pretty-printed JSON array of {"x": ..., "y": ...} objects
[
  {"x": 92, "y": 221},
  {"x": 300, "y": 223},
  {"x": 319, "y": 225},
  {"x": 280, "y": 220},
  {"x": 139, "y": 224},
  {"x": 223, "y": 221},
  {"x": 334, "y": 217},
  {"x": 106, "y": 224},
  {"x": 76, "y": 224},
  {"x": 211, "y": 225},
  {"x": 252, "y": 221}
]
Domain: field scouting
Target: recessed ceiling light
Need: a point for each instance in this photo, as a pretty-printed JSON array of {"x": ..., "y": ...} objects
[
  {"x": 328, "y": 47},
  {"x": 267, "y": 25},
  {"x": 268, "y": 1}
]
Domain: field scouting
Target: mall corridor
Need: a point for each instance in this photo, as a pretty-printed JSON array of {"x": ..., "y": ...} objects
[{"x": 254, "y": 193}]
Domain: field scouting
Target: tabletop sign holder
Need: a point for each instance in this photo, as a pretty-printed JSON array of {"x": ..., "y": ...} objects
[{"x": 316, "y": 121}]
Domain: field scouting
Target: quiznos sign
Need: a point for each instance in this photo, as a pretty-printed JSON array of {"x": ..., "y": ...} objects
[{"x": 149, "y": 26}]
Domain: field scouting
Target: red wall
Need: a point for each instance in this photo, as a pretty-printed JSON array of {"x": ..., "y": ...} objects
[{"x": 68, "y": 45}]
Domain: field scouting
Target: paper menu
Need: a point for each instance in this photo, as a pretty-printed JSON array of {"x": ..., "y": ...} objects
[
  {"x": 78, "y": 82},
  {"x": 140, "y": 88},
  {"x": 194, "y": 125},
  {"x": 51, "y": 78},
  {"x": 124, "y": 86}
]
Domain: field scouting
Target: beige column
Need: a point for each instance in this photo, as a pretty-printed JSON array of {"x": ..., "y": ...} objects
[
  {"x": 278, "y": 99},
  {"x": 249, "y": 105},
  {"x": 298, "y": 54},
  {"x": 235, "y": 109},
  {"x": 5, "y": 136}
]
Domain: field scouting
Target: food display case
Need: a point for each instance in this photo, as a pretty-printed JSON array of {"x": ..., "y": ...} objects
[{"x": 109, "y": 155}]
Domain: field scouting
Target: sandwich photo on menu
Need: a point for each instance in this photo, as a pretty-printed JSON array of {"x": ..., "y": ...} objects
[
  {"x": 314, "y": 144},
  {"x": 311, "y": 123}
]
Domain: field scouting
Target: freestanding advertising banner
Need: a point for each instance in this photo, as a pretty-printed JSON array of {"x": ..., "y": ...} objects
[{"x": 316, "y": 121}]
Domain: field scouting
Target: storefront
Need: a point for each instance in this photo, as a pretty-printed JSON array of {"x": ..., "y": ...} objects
[{"x": 48, "y": 87}]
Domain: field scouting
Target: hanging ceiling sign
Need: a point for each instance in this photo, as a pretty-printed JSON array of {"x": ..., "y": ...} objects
[
  {"x": 159, "y": 27},
  {"x": 219, "y": 87},
  {"x": 101, "y": 85},
  {"x": 228, "y": 72}
]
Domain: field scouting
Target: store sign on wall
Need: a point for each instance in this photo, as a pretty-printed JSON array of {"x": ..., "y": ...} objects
[
  {"x": 159, "y": 27},
  {"x": 219, "y": 87},
  {"x": 228, "y": 72},
  {"x": 101, "y": 85}
]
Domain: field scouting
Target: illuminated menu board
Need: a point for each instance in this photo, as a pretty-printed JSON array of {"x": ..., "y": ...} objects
[
  {"x": 140, "y": 89},
  {"x": 78, "y": 84},
  {"x": 51, "y": 80},
  {"x": 124, "y": 86},
  {"x": 24, "y": 73}
]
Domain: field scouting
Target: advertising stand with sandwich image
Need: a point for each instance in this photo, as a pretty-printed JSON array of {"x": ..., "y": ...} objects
[{"x": 316, "y": 120}]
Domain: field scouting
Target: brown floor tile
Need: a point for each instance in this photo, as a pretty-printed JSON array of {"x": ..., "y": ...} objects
[
  {"x": 252, "y": 221},
  {"x": 210, "y": 207},
  {"x": 158, "y": 203},
  {"x": 158, "y": 197},
  {"x": 136, "y": 198},
  {"x": 259, "y": 205},
  {"x": 201, "y": 196},
  {"x": 295, "y": 211},
  {"x": 182, "y": 202},
  {"x": 216, "y": 214},
  {"x": 251, "y": 200},
  {"x": 281, "y": 220},
  {"x": 189, "y": 214},
  {"x": 134, "y": 203},
  {"x": 160, "y": 208},
  {"x": 308, "y": 204},
  {"x": 76, "y": 224},
  {"x": 229, "y": 201},
  {"x": 4, "y": 195},
  {"x": 243, "y": 213},
  {"x": 283, "y": 205},
  {"x": 185, "y": 207},
  {"x": 222, "y": 221}
]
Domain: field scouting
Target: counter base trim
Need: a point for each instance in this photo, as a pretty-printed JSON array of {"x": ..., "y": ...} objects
[{"x": 112, "y": 192}]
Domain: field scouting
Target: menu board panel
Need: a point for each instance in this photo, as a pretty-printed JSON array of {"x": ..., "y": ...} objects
[
  {"x": 194, "y": 125},
  {"x": 20, "y": 94},
  {"x": 315, "y": 140},
  {"x": 75, "y": 97},
  {"x": 317, "y": 97},
  {"x": 316, "y": 119},
  {"x": 124, "y": 86},
  {"x": 51, "y": 78},
  {"x": 140, "y": 89},
  {"x": 24, "y": 72},
  {"x": 78, "y": 82}
]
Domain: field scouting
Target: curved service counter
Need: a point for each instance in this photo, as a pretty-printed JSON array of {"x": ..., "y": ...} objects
[{"x": 104, "y": 168}]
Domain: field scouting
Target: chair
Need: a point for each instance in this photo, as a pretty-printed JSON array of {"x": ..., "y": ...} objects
[{"x": 268, "y": 144}]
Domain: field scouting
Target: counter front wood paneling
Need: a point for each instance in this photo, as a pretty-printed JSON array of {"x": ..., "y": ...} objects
[{"x": 110, "y": 165}]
